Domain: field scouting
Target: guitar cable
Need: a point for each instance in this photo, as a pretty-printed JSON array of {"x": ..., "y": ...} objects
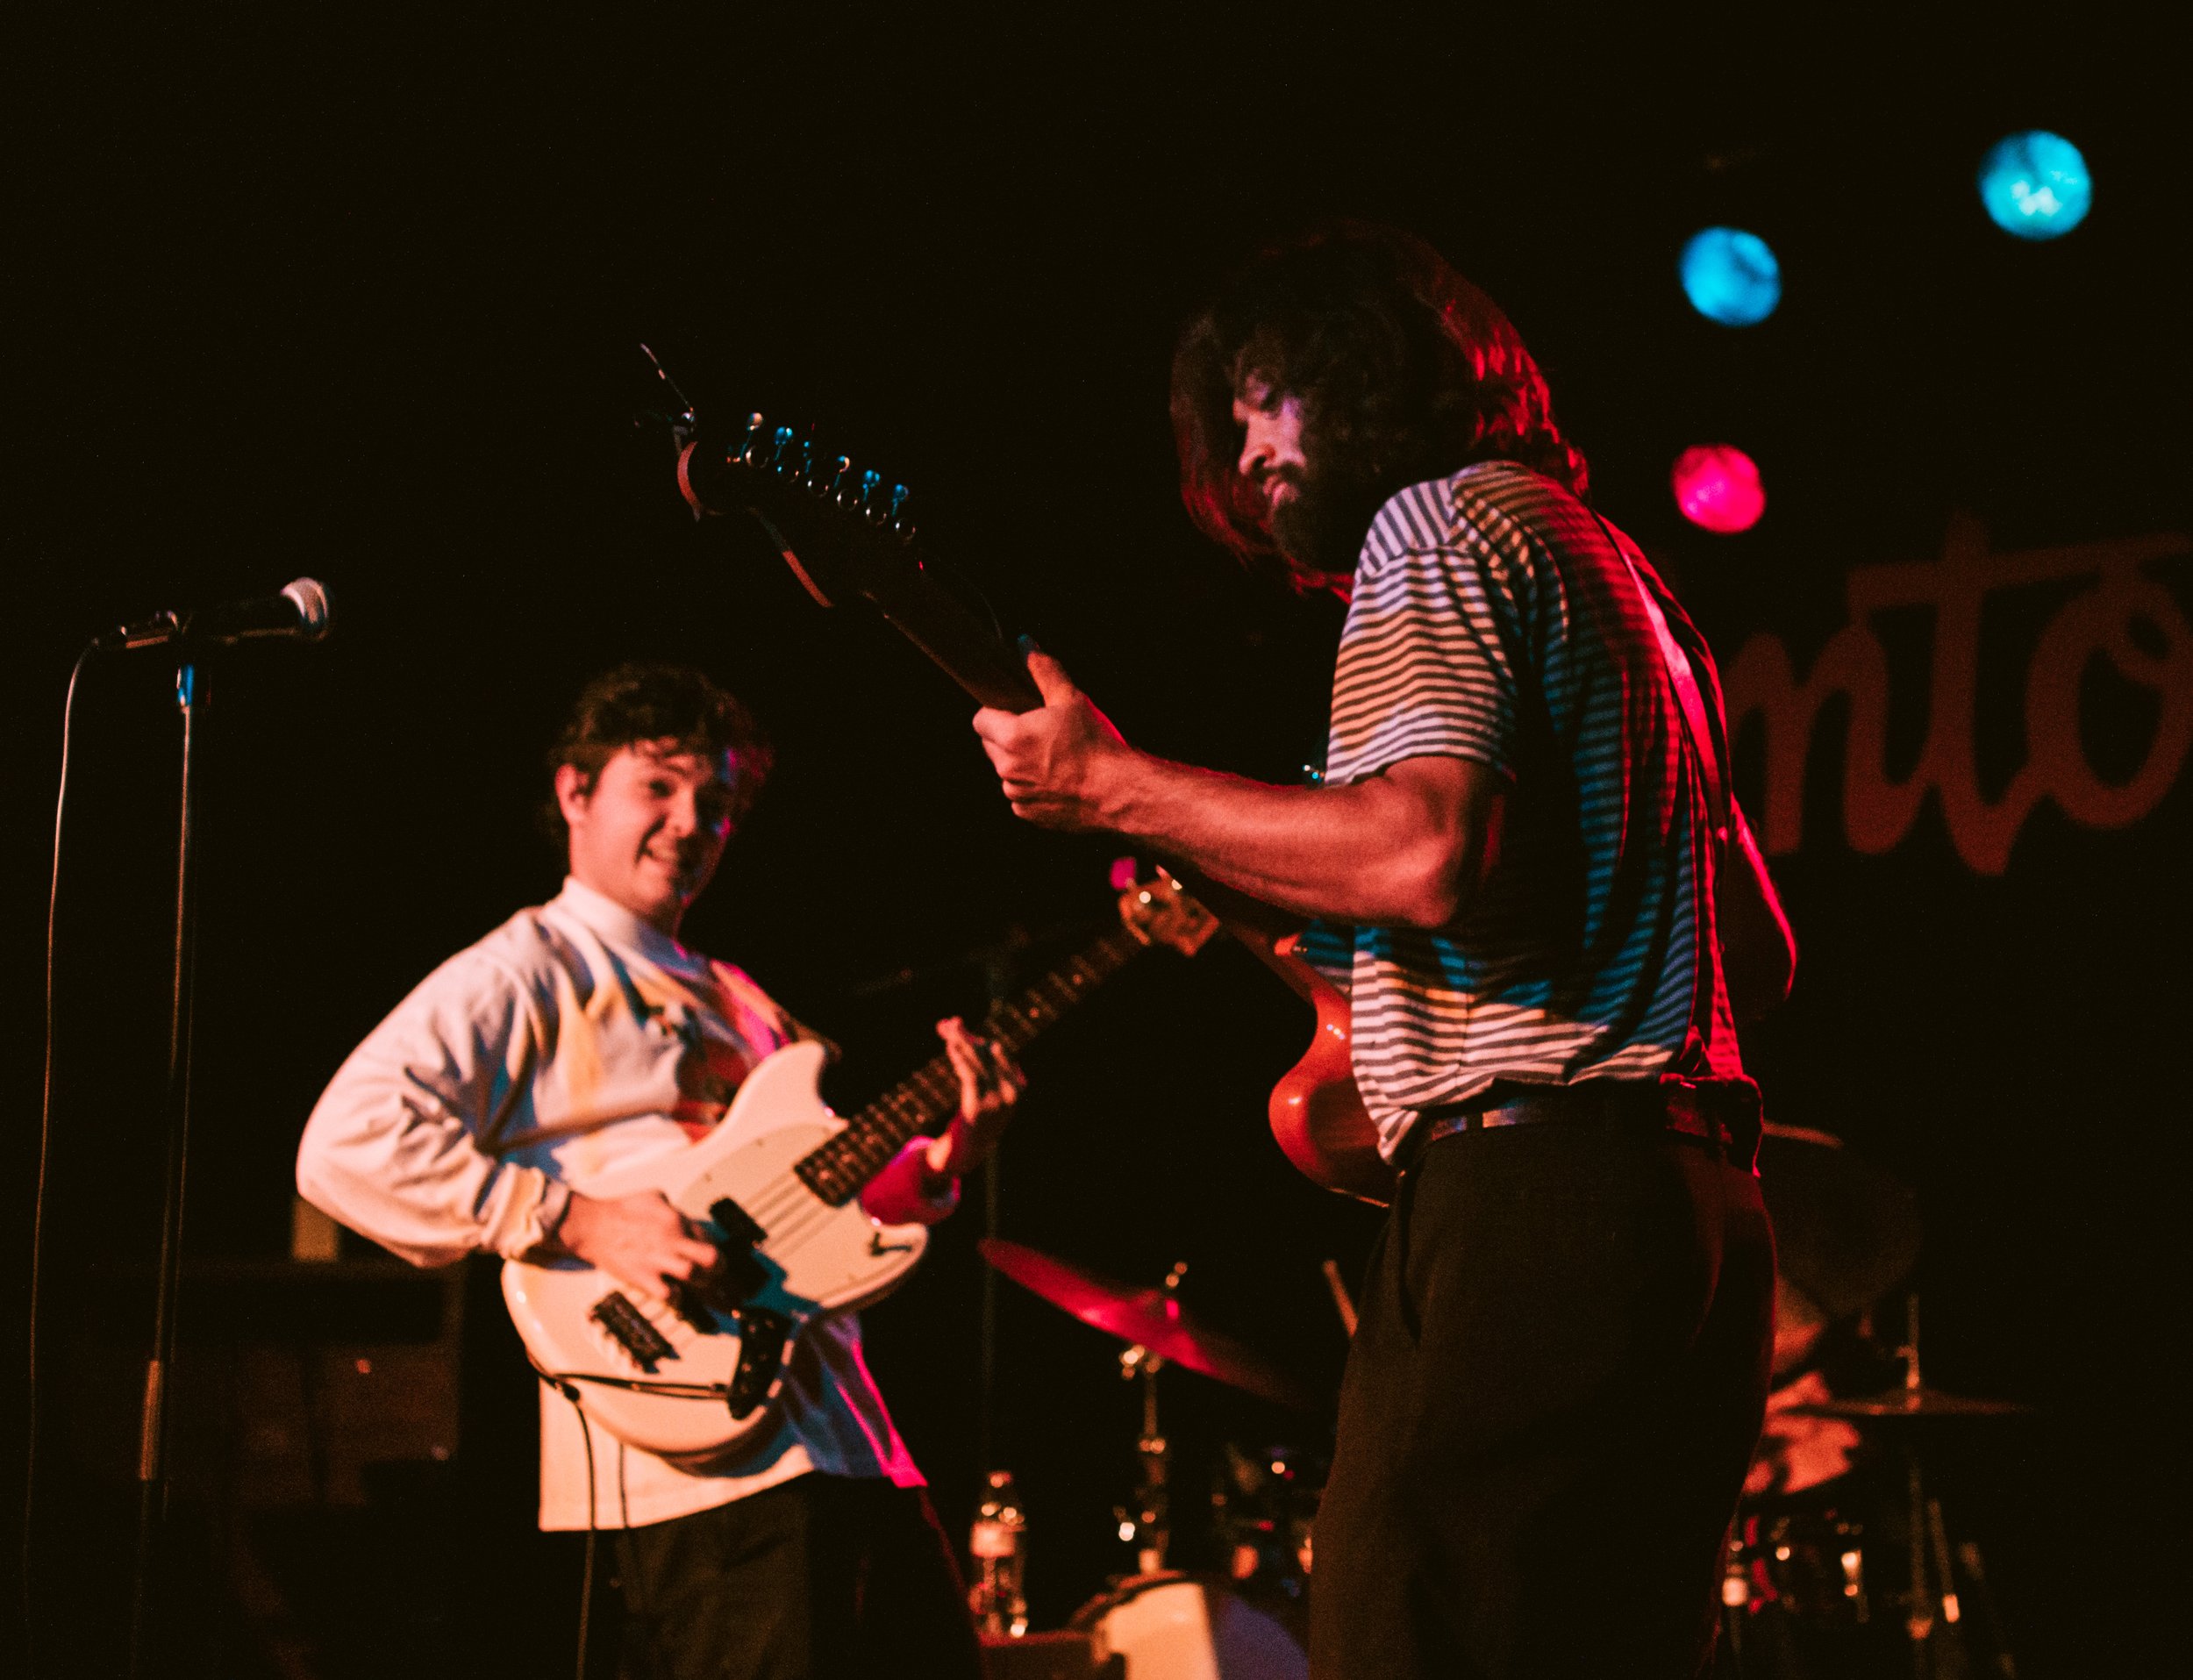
[
  {"x": 559, "y": 1380},
  {"x": 586, "y": 1572},
  {"x": 629, "y": 1587},
  {"x": 38, "y": 1200},
  {"x": 566, "y": 1383}
]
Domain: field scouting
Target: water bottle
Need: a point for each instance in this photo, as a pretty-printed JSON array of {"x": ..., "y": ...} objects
[{"x": 999, "y": 1548}]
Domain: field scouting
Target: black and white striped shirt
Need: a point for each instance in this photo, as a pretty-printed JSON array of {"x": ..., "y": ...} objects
[{"x": 1493, "y": 620}]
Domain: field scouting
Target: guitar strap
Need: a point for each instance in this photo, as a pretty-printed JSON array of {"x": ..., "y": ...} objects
[
  {"x": 1697, "y": 727},
  {"x": 1690, "y": 704}
]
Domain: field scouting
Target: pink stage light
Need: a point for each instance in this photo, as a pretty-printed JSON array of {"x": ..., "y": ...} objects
[{"x": 1717, "y": 486}]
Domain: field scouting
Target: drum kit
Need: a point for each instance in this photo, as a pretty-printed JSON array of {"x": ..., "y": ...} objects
[
  {"x": 1162, "y": 1624},
  {"x": 1840, "y": 1562}
]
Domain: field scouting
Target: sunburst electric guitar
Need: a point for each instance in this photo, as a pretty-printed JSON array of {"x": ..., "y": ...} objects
[
  {"x": 846, "y": 535},
  {"x": 777, "y": 1183}
]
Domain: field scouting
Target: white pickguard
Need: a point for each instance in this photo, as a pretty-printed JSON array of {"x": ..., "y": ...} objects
[{"x": 817, "y": 1258}]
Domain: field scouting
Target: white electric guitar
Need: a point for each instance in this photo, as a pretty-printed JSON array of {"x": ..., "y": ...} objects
[{"x": 778, "y": 1182}]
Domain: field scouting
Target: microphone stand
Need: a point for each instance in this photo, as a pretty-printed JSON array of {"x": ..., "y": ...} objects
[{"x": 152, "y": 1458}]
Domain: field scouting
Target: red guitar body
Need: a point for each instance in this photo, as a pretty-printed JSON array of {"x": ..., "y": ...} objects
[{"x": 1317, "y": 1113}]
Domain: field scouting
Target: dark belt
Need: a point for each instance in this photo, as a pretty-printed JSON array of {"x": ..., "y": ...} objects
[{"x": 1723, "y": 1115}]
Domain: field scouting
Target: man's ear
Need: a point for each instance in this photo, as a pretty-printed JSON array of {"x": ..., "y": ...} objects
[{"x": 574, "y": 789}]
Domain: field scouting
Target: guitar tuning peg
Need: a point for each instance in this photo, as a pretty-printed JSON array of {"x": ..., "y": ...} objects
[
  {"x": 805, "y": 472},
  {"x": 870, "y": 483},
  {"x": 750, "y": 448},
  {"x": 781, "y": 440},
  {"x": 896, "y": 517},
  {"x": 841, "y": 488}
]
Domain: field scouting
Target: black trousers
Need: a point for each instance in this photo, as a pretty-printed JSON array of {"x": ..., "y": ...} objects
[
  {"x": 1552, "y": 1396},
  {"x": 818, "y": 1578}
]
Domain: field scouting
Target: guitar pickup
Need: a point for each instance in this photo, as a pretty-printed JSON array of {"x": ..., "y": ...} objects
[
  {"x": 761, "y": 1357},
  {"x": 739, "y": 1274},
  {"x": 737, "y": 1225},
  {"x": 629, "y": 1328}
]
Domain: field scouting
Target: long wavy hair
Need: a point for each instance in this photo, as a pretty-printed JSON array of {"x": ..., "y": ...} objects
[{"x": 1405, "y": 372}]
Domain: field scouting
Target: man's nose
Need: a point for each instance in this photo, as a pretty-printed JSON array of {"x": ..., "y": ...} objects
[
  {"x": 1257, "y": 451},
  {"x": 685, "y": 817}
]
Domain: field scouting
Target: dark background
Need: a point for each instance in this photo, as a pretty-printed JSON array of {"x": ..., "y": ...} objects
[{"x": 309, "y": 297}]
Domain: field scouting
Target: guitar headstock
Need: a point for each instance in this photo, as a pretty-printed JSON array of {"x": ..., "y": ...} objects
[
  {"x": 844, "y": 533},
  {"x": 1160, "y": 912},
  {"x": 793, "y": 458},
  {"x": 843, "y": 529}
]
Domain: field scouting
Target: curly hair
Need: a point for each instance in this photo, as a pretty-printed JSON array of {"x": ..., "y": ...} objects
[
  {"x": 1405, "y": 372},
  {"x": 638, "y": 702}
]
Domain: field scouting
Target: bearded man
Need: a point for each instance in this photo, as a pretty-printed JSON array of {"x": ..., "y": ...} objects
[{"x": 1523, "y": 863}]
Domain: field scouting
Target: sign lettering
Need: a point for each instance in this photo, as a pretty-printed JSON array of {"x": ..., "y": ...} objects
[{"x": 2126, "y": 616}]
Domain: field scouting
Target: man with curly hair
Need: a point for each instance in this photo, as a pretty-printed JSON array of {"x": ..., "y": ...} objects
[
  {"x": 581, "y": 1036},
  {"x": 1523, "y": 865}
]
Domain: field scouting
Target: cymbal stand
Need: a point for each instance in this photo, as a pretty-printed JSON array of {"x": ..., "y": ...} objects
[
  {"x": 1919, "y": 1619},
  {"x": 1934, "y": 1618},
  {"x": 1150, "y": 1523}
]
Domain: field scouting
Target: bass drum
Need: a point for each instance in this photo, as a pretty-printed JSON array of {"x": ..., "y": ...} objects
[{"x": 1175, "y": 1627}]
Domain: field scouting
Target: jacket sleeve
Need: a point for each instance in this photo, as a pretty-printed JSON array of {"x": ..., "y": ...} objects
[{"x": 397, "y": 1148}]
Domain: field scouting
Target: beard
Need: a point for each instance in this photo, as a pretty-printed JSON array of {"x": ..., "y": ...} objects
[{"x": 1319, "y": 531}]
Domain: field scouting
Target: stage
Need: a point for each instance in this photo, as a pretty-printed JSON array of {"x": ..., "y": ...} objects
[{"x": 366, "y": 303}]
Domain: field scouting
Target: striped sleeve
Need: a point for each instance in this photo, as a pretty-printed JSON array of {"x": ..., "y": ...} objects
[{"x": 1428, "y": 658}]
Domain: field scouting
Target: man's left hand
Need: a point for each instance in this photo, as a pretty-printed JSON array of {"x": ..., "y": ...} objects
[
  {"x": 990, "y": 1082},
  {"x": 1060, "y": 763},
  {"x": 921, "y": 1185}
]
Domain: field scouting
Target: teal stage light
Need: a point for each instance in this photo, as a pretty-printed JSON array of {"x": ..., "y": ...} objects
[
  {"x": 1730, "y": 276},
  {"x": 2035, "y": 185}
]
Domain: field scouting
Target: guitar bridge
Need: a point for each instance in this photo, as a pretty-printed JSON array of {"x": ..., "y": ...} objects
[
  {"x": 762, "y": 1337},
  {"x": 629, "y": 1328}
]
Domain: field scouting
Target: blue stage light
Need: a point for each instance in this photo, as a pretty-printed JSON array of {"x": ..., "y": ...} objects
[
  {"x": 1730, "y": 276},
  {"x": 2035, "y": 185}
]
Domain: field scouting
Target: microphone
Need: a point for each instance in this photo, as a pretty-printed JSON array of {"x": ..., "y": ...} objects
[{"x": 301, "y": 612}]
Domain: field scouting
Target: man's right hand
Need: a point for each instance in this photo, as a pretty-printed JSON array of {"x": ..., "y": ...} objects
[{"x": 641, "y": 1239}]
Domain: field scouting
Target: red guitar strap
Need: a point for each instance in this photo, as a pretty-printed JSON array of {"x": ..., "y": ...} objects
[
  {"x": 1690, "y": 704},
  {"x": 1692, "y": 713}
]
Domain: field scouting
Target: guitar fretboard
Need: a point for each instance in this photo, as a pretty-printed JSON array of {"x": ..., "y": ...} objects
[{"x": 836, "y": 1170}]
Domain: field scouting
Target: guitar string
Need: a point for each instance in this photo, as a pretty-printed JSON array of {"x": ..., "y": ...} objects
[
  {"x": 791, "y": 1211},
  {"x": 928, "y": 1089}
]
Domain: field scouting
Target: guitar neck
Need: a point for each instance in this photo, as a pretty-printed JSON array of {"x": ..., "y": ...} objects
[
  {"x": 838, "y": 1169},
  {"x": 962, "y": 647},
  {"x": 837, "y": 553}
]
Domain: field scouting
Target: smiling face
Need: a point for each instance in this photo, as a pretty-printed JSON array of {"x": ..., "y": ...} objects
[{"x": 651, "y": 829}]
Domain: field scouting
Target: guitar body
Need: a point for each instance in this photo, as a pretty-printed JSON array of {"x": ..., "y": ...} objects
[
  {"x": 776, "y": 1186},
  {"x": 1316, "y": 1112},
  {"x": 810, "y": 1258}
]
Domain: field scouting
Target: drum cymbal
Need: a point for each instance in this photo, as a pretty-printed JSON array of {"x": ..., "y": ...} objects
[
  {"x": 1912, "y": 1402},
  {"x": 1845, "y": 1232},
  {"x": 1148, "y": 1318}
]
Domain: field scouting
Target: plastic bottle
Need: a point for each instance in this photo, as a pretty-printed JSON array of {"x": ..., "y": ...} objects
[{"x": 999, "y": 1548}]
